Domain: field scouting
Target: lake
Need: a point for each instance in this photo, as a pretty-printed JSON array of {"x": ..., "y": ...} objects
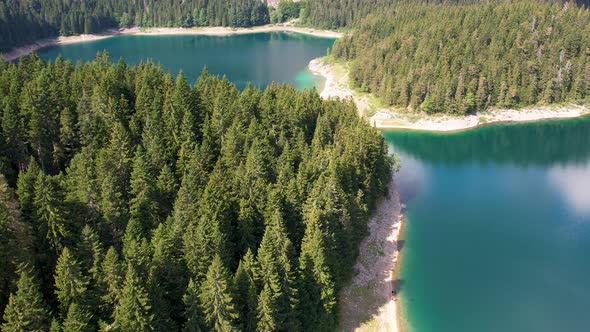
[
  {"x": 259, "y": 58},
  {"x": 498, "y": 228},
  {"x": 498, "y": 218}
]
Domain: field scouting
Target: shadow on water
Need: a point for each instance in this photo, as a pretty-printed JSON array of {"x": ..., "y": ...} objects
[
  {"x": 397, "y": 286},
  {"x": 400, "y": 245},
  {"x": 500, "y": 143}
]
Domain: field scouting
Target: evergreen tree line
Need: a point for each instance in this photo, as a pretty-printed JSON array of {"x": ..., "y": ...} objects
[
  {"x": 464, "y": 58},
  {"x": 23, "y": 22},
  {"x": 335, "y": 14},
  {"x": 133, "y": 201}
]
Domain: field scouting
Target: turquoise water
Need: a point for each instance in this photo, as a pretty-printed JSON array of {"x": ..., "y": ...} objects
[
  {"x": 498, "y": 228},
  {"x": 259, "y": 58}
]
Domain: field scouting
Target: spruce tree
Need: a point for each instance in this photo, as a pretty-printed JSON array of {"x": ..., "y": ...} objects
[
  {"x": 70, "y": 284},
  {"x": 246, "y": 297},
  {"x": 192, "y": 311},
  {"x": 110, "y": 282},
  {"x": 77, "y": 320},
  {"x": 143, "y": 209},
  {"x": 133, "y": 311},
  {"x": 278, "y": 298},
  {"x": 16, "y": 241},
  {"x": 217, "y": 298},
  {"x": 26, "y": 310},
  {"x": 50, "y": 212}
]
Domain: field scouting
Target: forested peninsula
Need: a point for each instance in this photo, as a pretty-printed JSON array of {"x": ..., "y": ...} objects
[
  {"x": 460, "y": 59},
  {"x": 132, "y": 201}
]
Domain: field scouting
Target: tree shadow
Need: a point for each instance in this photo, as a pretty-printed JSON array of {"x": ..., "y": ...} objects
[
  {"x": 400, "y": 245},
  {"x": 397, "y": 286}
]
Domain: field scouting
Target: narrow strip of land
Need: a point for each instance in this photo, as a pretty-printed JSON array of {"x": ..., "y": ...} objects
[
  {"x": 337, "y": 86},
  {"x": 369, "y": 303},
  {"x": 211, "y": 31}
]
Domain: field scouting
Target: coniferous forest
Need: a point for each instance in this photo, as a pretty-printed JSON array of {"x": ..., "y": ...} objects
[
  {"x": 463, "y": 58},
  {"x": 23, "y": 22},
  {"x": 133, "y": 201}
]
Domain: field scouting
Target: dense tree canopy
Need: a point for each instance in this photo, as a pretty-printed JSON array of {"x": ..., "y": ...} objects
[
  {"x": 334, "y": 14},
  {"x": 131, "y": 200},
  {"x": 23, "y": 22},
  {"x": 463, "y": 58}
]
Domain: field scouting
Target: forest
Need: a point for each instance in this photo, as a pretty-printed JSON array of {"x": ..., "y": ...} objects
[
  {"x": 463, "y": 58},
  {"x": 131, "y": 200},
  {"x": 347, "y": 14},
  {"x": 23, "y": 22}
]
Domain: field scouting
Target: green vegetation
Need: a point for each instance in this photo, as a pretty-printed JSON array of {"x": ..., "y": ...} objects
[
  {"x": 132, "y": 201},
  {"x": 22, "y": 22},
  {"x": 286, "y": 10},
  {"x": 463, "y": 58}
]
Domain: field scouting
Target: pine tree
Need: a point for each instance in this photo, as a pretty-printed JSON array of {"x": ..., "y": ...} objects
[
  {"x": 167, "y": 189},
  {"x": 110, "y": 282},
  {"x": 217, "y": 299},
  {"x": 25, "y": 190},
  {"x": 278, "y": 298},
  {"x": 77, "y": 320},
  {"x": 133, "y": 311},
  {"x": 143, "y": 209},
  {"x": 244, "y": 284},
  {"x": 70, "y": 285},
  {"x": 16, "y": 241},
  {"x": 50, "y": 212},
  {"x": 192, "y": 311},
  {"x": 210, "y": 235},
  {"x": 166, "y": 277},
  {"x": 317, "y": 281},
  {"x": 26, "y": 310}
]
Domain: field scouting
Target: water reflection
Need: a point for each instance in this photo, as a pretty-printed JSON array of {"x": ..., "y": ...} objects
[
  {"x": 541, "y": 144},
  {"x": 498, "y": 225},
  {"x": 573, "y": 182}
]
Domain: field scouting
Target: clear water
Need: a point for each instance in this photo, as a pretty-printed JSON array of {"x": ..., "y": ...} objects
[
  {"x": 498, "y": 228},
  {"x": 498, "y": 218},
  {"x": 259, "y": 58}
]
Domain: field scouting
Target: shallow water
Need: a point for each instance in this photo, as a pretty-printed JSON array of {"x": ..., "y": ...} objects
[
  {"x": 259, "y": 58},
  {"x": 498, "y": 228}
]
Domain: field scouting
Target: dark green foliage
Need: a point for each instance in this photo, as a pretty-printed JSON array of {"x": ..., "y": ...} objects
[
  {"x": 178, "y": 207},
  {"x": 463, "y": 58},
  {"x": 217, "y": 299},
  {"x": 21, "y": 22},
  {"x": 15, "y": 239},
  {"x": 245, "y": 287},
  {"x": 133, "y": 312},
  {"x": 70, "y": 285},
  {"x": 26, "y": 310},
  {"x": 192, "y": 312},
  {"x": 285, "y": 11},
  {"x": 77, "y": 320}
]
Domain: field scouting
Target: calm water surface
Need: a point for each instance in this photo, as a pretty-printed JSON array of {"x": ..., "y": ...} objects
[
  {"x": 498, "y": 231},
  {"x": 259, "y": 58}
]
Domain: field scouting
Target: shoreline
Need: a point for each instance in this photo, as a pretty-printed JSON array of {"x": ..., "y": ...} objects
[
  {"x": 337, "y": 86},
  {"x": 368, "y": 303},
  {"x": 24, "y": 50}
]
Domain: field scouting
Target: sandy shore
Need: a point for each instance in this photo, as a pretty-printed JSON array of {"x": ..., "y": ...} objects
[
  {"x": 368, "y": 304},
  {"x": 211, "y": 31},
  {"x": 224, "y": 31},
  {"x": 387, "y": 119},
  {"x": 337, "y": 86}
]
